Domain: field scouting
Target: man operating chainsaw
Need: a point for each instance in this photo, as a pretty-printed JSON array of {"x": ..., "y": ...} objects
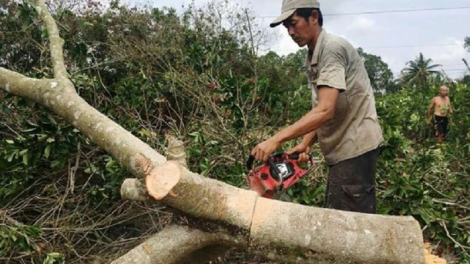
[{"x": 343, "y": 118}]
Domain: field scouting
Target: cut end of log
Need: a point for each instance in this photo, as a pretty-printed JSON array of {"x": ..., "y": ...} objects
[{"x": 161, "y": 180}]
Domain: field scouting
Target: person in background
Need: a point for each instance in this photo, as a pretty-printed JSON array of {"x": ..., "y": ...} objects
[{"x": 441, "y": 107}]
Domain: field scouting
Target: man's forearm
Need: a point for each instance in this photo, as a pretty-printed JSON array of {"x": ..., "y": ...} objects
[{"x": 310, "y": 138}]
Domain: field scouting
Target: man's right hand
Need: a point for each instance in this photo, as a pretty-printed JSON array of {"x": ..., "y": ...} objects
[
  {"x": 302, "y": 150},
  {"x": 263, "y": 150}
]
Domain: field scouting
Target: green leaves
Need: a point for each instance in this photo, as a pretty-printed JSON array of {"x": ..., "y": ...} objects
[
  {"x": 54, "y": 258},
  {"x": 15, "y": 239},
  {"x": 33, "y": 143},
  {"x": 380, "y": 75},
  {"x": 467, "y": 43}
]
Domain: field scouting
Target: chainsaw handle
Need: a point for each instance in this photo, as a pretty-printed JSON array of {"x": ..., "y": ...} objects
[
  {"x": 272, "y": 164},
  {"x": 294, "y": 156},
  {"x": 249, "y": 162},
  {"x": 251, "y": 159}
]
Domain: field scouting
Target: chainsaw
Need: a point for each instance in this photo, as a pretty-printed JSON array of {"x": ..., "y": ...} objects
[{"x": 279, "y": 173}]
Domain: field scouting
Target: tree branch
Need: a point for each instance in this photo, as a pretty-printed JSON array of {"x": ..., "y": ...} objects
[
  {"x": 176, "y": 150},
  {"x": 8, "y": 220},
  {"x": 134, "y": 190},
  {"x": 60, "y": 97},
  {"x": 56, "y": 42},
  {"x": 25, "y": 87},
  {"x": 465, "y": 249}
]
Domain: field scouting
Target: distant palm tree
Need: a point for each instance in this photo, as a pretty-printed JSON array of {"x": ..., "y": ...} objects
[
  {"x": 467, "y": 43},
  {"x": 419, "y": 72}
]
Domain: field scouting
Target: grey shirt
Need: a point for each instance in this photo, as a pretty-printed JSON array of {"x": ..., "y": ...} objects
[{"x": 354, "y": 129}]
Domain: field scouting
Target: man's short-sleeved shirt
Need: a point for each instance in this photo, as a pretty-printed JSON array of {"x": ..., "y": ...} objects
[{"x": 354, "y": 130}]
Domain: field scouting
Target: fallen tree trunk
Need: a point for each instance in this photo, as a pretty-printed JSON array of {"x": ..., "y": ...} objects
[
  {"x": 295, "y": 233},
  {"x": 300, "y": 234},
  {"x": 316, "y": 235}
]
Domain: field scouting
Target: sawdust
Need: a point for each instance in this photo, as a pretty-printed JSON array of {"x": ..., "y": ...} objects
[{"x": 430, "y": 258}]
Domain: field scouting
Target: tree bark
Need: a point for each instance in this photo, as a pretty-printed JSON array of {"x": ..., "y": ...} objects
[
  {"x": 295, "y": 233},
  {"x": 181, "y": 245},
  {"x": 316, "y": 235},
  {"x": 176, "y": 150}
]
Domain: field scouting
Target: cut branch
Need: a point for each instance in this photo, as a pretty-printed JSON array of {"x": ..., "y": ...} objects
[
  {"x": 176, "y": 150},
  {"x": 134, "y": 190},
  {"x": 5, "y": 219}
]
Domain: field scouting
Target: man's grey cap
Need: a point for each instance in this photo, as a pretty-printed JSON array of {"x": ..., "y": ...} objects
[{"x": 289, "y": 7}]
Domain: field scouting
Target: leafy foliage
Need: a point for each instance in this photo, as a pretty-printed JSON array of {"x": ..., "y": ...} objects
[
  {"x": 380, "y": 75},
  {"x": 16, "y": 238},
  {"x": 419, "y": 178},
  {"x": 467, "y": 43}
]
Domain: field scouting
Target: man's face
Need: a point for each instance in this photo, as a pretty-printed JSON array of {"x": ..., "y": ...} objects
[
  {"x": 443, "y": 91},
  {"x": 300, "y": 30}
]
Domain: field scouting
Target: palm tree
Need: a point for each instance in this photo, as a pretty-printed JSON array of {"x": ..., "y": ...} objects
[{"x": 419, "y": 72}]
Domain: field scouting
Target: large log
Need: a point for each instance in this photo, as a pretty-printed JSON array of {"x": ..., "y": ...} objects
[
  {"x": 316, "y": 235},
  {"x": 300, "y": 234},
  {"x": 290, "y": 232}
]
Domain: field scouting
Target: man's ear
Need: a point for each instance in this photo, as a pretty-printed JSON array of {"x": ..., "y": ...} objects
[{"x": 314, "y": 17}]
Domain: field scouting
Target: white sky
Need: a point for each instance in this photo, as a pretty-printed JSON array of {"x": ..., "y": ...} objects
[{"x": 397, "y": 37}]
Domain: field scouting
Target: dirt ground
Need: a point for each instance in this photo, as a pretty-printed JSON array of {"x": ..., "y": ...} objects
[{"x": 430, "y": 254}]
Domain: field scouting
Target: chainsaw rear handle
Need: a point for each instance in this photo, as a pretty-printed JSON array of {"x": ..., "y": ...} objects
[{"x": 251, "y": 159}]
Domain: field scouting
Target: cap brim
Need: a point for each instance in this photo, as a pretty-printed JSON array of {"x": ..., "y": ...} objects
[{"x": 276, "y": 22}]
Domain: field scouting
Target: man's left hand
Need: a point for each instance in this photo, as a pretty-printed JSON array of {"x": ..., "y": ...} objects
[{"x": 263, "y": 150}]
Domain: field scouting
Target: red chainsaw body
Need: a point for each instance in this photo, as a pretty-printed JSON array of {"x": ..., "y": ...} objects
[{"x": 279, "y": 173}]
